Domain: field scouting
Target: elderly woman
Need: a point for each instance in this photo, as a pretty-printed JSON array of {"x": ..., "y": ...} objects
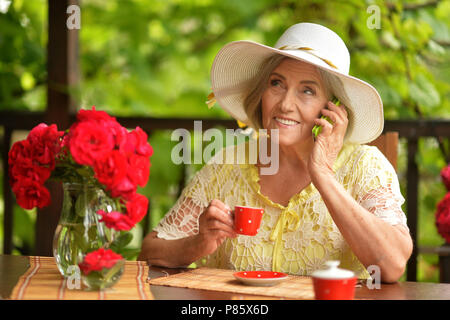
[{"x": 332, "y": 198}]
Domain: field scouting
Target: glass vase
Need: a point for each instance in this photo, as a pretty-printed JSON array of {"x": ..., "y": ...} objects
[
  {"x": 79, "y": 231},
  {"x": 104, "y": 278}
]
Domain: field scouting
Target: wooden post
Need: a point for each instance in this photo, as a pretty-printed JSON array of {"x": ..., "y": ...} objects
[
  {"x": 62, "y": 69},
  {"x": 387, "y": 143},
  {"x": 7, "y": 195},
  {"x": 444, "y": 264},
  {"x": 412, "y": 191}
]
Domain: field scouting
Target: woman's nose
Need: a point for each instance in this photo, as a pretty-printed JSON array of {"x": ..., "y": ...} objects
[{"x": 288, "y": 102}]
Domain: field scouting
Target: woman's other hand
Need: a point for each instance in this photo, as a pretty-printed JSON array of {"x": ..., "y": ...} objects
[
  {"x": 216, "y": 224},
  {"x": 329, "y": 142}
]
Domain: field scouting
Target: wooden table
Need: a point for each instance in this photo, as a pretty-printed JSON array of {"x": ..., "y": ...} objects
[
  {"x": 12, "y": 267},
  {"x": 396, "y": 291}
]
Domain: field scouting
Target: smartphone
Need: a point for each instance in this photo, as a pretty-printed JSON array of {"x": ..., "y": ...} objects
[{"x": 316, "y": 130}]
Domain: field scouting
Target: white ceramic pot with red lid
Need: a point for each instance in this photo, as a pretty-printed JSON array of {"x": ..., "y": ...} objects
[{"x": 334, "y": 283}]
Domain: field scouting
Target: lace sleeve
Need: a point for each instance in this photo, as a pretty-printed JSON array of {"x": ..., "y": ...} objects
[
  {"x": 182, "y": 219},
  {"x": 379, "y": 190},
  {"x": 213, "y": 181}
]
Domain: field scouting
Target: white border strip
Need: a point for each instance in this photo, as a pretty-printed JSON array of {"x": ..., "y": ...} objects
[{"x": 140, "y": 285}]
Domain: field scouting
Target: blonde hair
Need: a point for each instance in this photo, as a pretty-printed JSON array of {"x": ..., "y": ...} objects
[
  {"x": 252, "y": 99},
  {"x": 253, "y": 96},
  {"x": 334, "y": 86}
]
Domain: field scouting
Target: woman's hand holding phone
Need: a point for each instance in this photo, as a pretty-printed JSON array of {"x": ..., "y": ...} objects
[
  {"x": 316, "y": 130},
  {"x": 330, "y": 138}
]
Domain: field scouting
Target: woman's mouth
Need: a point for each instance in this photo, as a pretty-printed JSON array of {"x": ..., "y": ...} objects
[{"x": 286, "y": 123}]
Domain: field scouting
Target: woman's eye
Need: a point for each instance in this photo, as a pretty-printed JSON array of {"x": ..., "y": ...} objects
[
  {"x": 275, "y": 83},
  {"x": 309, "y": 91}
]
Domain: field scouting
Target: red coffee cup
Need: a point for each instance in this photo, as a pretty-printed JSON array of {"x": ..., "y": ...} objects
[
  {"x": 247, "y": 220},
  {"x": 334, "y": 283}
]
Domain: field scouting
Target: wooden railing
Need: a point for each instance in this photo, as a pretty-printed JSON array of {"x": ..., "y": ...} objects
[{"x": 411, "y": 130}]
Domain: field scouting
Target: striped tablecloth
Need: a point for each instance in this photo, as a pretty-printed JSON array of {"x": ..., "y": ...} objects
[{"x": 43, "y": 281}]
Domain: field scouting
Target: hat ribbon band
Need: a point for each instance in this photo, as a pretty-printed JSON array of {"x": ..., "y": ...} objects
[
  {"x": 211, "y": 101},
  {"x": 309, "y": 50}
]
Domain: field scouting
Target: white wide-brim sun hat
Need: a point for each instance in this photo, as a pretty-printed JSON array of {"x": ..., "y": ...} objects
[{"x": 238, "y": 64}]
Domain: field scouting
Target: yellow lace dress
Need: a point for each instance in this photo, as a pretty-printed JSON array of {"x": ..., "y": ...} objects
[{"x": 297, "y": 238}]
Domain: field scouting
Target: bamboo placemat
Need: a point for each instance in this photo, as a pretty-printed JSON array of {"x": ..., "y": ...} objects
[
  {"x": 42, "y": 281},
  {"x": 295, "y": 287}
]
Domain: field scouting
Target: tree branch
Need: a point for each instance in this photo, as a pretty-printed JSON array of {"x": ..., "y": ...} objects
[
  {"x": 413, "y": 6},
  {"x": 442, "y": 43}
]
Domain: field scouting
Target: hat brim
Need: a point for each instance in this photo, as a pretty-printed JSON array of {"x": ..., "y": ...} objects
[{"x": 238, "y": 63}]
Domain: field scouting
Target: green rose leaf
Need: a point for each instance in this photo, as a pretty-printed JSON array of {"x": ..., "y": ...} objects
[
  {"x": 121, "y": 241},
  {"x": 130, "y": 253}
]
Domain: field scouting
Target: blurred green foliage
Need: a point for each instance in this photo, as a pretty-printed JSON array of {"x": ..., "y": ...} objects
[{"x": 152, "y": 58}]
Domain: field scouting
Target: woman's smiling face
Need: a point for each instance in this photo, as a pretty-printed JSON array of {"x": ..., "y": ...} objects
[{"x": 294, "y": 97}]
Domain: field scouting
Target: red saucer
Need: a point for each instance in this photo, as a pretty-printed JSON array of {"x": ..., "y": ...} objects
[{"x": 260, "y": 278}]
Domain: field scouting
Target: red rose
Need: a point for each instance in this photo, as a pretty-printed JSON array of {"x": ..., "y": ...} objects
[
  {"x": 119, "y": 133},
  {"x": 445, "y": 175},
  {"x": 443, "y": 217},
  {"x": 27, "y": 169},
  {"x": 93, "y": 115},
  {"x": 138, "y": 169},
  {"x": 104, "y": 120},
  {"x": 137, "y": 207},
  {"x": 116, "y": 220},
  {"x": 124, "y": 188},
  {"x": 45, "y": 143},
  {"x": 99, "y": 259},
  {"x": 111, "y": 169},
  {"x": 30, "y": 194},
  {"x": 20, "y": 151},
  {"x": 89, "y": 142},
  {"x": 143, "y": 148},
  {"x": 137, "y": 143}
]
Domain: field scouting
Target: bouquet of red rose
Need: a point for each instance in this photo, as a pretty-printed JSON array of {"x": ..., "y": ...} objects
[
  {"x": 95, "y": 151},
  {"x": 443, "y": 208}
]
